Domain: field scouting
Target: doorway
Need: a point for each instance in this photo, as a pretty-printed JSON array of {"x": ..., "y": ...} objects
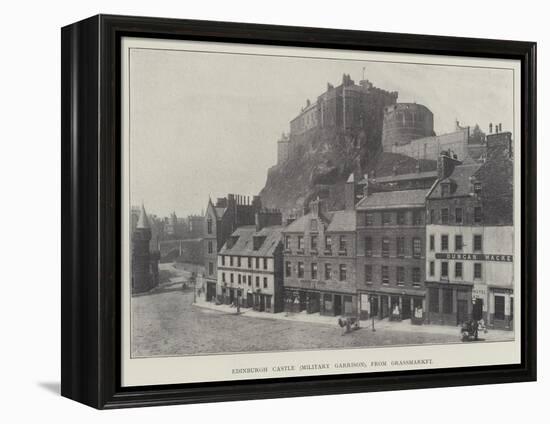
[
  {"x": 406, "y": 309},
  {"x": 477, "y": 312},
  {"x": 337, "y": 304}
]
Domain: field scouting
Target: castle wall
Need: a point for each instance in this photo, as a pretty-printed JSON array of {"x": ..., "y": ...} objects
[{"x": 404, "y": 122}]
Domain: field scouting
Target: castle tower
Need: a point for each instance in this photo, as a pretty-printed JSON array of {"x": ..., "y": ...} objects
[{"x": 141, "y": 259}]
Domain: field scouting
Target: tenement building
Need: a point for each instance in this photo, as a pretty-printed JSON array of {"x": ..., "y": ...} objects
[
  {"x": 319, "y": 261},
  {"x": 391, "y": 254},
  {"x": 250, "y": 265},
  {"x": 219, "y": 222},
  {"x": 470, "y": 235},
  {"x": 145, "y": 271}
]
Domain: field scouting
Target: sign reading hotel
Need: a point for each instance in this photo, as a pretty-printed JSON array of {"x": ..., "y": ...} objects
[{"x": 475, "y": 257}]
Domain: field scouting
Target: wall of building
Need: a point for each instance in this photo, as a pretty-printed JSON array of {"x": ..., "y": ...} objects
[{"x": 404, "y": 122}]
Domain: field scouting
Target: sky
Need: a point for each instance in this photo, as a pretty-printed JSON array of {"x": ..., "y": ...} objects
[{"x": 206, "y": 124}]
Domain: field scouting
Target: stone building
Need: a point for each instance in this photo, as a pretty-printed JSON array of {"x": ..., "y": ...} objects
[
  {"x": 145, "y": 274},
  {"x": 250, "y": 265},
  {"x": 319, "y": 267},
  {"x": 391, "y": 254},
  {"x": 404, "y": 122},
  {"x": 220, "y": 221},
  {"x": 471, "y": 240}
]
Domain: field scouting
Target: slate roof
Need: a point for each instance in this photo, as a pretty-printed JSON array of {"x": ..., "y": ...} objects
[
  {"x": 244, "y": 246},
  {"x": 300, "y": 224},
  {"x": 404, "y": 177},
  {"x": 343, "y": 221},
  {"x": 460, "y": 179},
  {"x": 393, "y": 199}
]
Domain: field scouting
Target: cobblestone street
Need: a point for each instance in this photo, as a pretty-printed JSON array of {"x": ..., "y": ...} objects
[{"x": 167, "y": 323}]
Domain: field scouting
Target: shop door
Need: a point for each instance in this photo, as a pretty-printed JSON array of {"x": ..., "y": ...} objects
[
  {"x": 262, "y": 303},
  {"x": 477, "y": 312},
  {"x": 373, "y": 306},
  {"x": 385, "y": 306},
  {"x": 337, "y": 304},
  {"x": 461, "y": 311},
  {"x": 231, "y": 295},
  {"x": 406, "y": 309},
  {"x": 249, "y": 300}
]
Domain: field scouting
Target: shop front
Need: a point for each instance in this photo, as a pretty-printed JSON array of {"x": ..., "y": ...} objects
[
  {"x": 501, "y": 308},
  {"x": 449, "y": 303},
  {"x": 396, "y": 305}
]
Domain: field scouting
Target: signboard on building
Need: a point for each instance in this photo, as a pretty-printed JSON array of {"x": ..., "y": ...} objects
[{"x": 475, "y": 257}]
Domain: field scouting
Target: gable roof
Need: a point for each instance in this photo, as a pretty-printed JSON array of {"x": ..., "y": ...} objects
[
  {"x": 244, "y": 245},
  {"x": 393, "y": 200}
]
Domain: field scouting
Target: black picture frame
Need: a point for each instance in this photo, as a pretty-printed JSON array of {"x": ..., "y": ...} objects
[{"x": 91, "y": 193}]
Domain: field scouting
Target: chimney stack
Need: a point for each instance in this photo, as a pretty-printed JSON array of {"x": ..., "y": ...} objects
[{"x": 490, "y": 127}]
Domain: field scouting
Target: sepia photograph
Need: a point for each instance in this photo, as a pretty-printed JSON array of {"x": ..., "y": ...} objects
[{"x": 318, "y": 202}]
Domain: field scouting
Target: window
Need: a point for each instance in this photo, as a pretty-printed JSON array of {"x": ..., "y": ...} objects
[
  {"x": 209, "y": 225},
  {"x": 385, "y": 274},
  {"x": 300, "y": 242},
  {"x": 328, "y": 271},
  {"x": 400, "y": 275},
  {"x": 210, "y": 247},
  {"x": 416, "y": 275},
  {"x": 434, "y": 299},
  {"x": 401, "y": 218},
  {"x": 223, "y": 277},
  {"x": 458, "y": 243},
  {"x": 417, "y": 217},
  {"x": 478, "y": 217},
  {"x": 328, "y": 243},
  {"x": 432, "y": 216},
  {"x": 444, "y": 216},
  {"x": 257, "y": 263},
  {"x": 249, "y": 262},
  {"x": 477, "y": 188},
  {"x": 265, "y": 282},
  {"x": 343, "y": 272},
  {"x": 288, "y": 269},
  {"x": 300, "y": 270},
  {"x": 314, "y": 271},
  {"x": 386, "y": 218},
  {"x": 231, "y": 278},
  {"x": 369, "y": 219},
  {"x": 287, "y": 242},
  {"x": 444, "y": 270},
  {"x": 223, "y": 260},
  {"x": 385, "y": 247},
  {"x": 231, "y": 261},
  {"x": 249, "y": 280},
  {"x": 478, "y": 243},
  {"x": 400, "y": 247},
  {"x": 313, "y": 242},
  {"x": 368, "y": 274},
  {"x": 445, "y": 189},
  {"x": 343, "y": 243},
  {"x": 432, "y": 268},
  {"x": 210, "y": 268},
  {"x": 265, "y": 263},
  {"x": 458, "y": 215},
  {"x": 499, "y": 307},
  {"x": 444, "y": 242},
  {"x": 477, "y": 271},
  {"x": 432, "y": 242},
  {"x": 417, "y": 247},
  {"x": 257, "y": 281},
  {"x": 239, "y": 261},
  {"x": 458, "y": 270},
  {"x": 447, "y": 301},
  {"x": 313, "y": 225},
  {"x": 368, "y": 246}
]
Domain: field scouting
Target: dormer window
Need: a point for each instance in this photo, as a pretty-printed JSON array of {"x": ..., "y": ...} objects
[
  {"x": 313, "y": 225},
  {"x": 445, "y": 189},
  {"x": 477, "y": 189},
  {"x": 258, "y": 241}
]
